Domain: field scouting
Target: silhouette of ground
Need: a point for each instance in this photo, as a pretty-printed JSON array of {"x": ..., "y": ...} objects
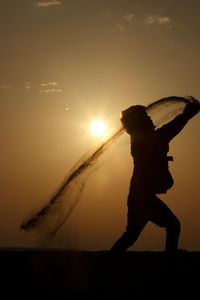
[{"x": 61, "y": 274}]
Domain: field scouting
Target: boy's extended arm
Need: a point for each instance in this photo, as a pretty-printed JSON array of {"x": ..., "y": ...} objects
[{"x": 171, "y": 129}]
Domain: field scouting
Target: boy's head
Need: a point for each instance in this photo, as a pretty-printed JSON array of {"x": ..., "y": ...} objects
[{"x": 136, "y": 120}]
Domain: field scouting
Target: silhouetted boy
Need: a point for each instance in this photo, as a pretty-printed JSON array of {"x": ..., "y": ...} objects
[{"x": 151, "y": 176}]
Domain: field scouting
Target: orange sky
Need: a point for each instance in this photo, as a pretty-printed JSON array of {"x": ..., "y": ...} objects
[{"x": 95, "y": 58}]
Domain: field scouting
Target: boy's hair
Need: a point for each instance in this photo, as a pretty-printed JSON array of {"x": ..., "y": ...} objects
[{"x": 132, "y": 117}]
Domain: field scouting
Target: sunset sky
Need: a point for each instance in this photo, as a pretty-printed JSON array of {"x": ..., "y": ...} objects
[{"x": 65, "y": 64}]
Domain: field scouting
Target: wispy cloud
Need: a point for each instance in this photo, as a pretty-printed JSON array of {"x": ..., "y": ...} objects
[
  {"x": 159, "y": 20},
  {"x": 4, "y": 86},
  {"x": 27, "y": 86},
  {"x": 123, "y": 22},
  {"x": 52, "y": 90},
  {"x": 50, "y": 87},
  {"x": 49, "y": 83},
  {"x": 128, "y": 18},
  {"x": 118, "y": 27},
  {"x": 47, "y": 3}
]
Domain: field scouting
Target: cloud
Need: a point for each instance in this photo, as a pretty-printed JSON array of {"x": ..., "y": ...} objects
[
  {"x": 119, "y": 27},
  {"x": 27, "y": 86},
  {"x": 52, "y": 90},
  {"x": 50, "y": 83},
  {"x": 47, "y": 3},
  {"x": 128, "y": 18},
  {"x": 4, "y": 86},
  {"x": 159, "y": 20},
  {"x": 50, "y": 87},
  {"x": 124, "y": 22}
]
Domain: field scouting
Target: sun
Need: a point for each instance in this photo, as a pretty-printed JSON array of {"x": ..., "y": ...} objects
[{"x": 98, "y": 128}]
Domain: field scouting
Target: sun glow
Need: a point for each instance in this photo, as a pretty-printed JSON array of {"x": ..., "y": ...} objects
[{"x": 98, "y": 128}]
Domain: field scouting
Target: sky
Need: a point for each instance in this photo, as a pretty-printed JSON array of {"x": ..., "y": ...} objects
[{"x": 67, "y": 63}]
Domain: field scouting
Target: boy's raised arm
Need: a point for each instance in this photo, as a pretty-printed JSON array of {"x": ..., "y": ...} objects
[{"x": 171, "y": 129}]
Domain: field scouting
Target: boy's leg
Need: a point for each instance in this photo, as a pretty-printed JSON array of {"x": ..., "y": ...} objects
[
  {"x": 162, "y": 216},
  {"x": 135, "y": 224}
]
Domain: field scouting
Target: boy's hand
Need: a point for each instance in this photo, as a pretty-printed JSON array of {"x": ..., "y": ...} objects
[{"x": 192, "y": 108}]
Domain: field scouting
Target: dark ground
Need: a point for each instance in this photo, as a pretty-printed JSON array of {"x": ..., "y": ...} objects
[{"x": 60, "y": 274}]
